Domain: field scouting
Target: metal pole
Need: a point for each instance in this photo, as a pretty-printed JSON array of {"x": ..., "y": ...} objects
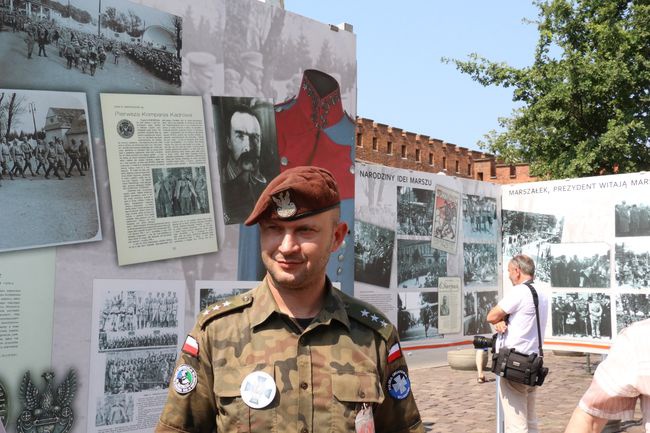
[
  {"x": 500, "y": 426},
  {"x": 32, "y": 109},
  {"x": 99, "y": 20}
]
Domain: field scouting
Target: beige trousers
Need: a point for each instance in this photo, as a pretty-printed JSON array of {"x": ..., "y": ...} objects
[{"x": 518, "y": 402}]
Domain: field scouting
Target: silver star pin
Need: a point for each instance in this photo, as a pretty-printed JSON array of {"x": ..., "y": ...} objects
[
  {"x": 216, "y": 307},
  {"x": 225, "y": 304},
  {"x": 374, "y": 318},
  {"x": 365, "y": 313}
]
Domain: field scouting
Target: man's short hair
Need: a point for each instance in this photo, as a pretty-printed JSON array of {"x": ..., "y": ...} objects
[{"x": 524, "y": 263}]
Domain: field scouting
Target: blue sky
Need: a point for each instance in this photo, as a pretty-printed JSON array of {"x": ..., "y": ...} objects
[{"x": 401, "y": 80}]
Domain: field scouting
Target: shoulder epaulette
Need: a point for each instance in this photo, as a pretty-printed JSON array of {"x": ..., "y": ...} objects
[
  {"x": 225, "y": 306},
  {"x": 368, "y": 315}
]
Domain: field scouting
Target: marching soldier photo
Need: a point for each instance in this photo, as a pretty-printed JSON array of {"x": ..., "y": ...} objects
[{"x": 40, "y": 141}]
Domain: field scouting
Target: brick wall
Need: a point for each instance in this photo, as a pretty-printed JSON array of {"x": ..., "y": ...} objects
[{"x": 382, "y": 144}]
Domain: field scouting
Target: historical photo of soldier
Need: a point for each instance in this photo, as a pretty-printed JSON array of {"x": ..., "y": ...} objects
[
  {"x": 256, "y": 37},
  {"x": 138, "y": 370},
  {"x": 632, "y": 264},
  {"x": 445, "y": 220},
  {"x": 581, "y": 315},
  {"x": 180, "y": 191},
  {"x": 414, "y": 211},
  {"x": 95, "y": 43},
  {"x": 138, "y": 318},
  {"x": 419, "y": 265},
  {"x": 114, "y": 410},
  {"x": 476, "y": 306},
  {"x": 373, "y": 253},
  {"x": 247, "y": 152},
  {"x": 480, "y": 264},
  {"x": 417, "y": 315},
  {"x": 43, "y": 138},
  {"x": 579, "y": 265},
  {"x": 531, "y": 234},
  {"x": 479, "y": 217},
  {"x": 632, "y": 218},
  {"x": 630, "y": 308}
]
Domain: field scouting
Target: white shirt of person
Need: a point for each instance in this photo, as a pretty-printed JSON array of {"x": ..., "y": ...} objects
[
  {"x": 622, "y": 378},
  {"x": 521, "y": 334}
]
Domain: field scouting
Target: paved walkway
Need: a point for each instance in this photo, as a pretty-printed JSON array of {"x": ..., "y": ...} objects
[{"x": 451, "y": 401}]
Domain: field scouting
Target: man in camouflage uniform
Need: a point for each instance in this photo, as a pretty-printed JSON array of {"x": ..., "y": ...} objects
[{"x": 294, "y": 354}]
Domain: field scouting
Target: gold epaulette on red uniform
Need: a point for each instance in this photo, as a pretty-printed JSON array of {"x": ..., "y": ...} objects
[
  {"x": 222, "y": 307},
  {"x": 368, "y": 315}
]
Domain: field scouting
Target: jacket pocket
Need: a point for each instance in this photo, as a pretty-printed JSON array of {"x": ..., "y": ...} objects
[{"x": 233, "y": 415}]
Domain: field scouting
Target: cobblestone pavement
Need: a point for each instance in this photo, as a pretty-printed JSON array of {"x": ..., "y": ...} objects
[{"x": 451, "y": 401}]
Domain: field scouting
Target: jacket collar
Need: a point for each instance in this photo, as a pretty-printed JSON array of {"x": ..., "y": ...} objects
[
  {"x": 264, "y": 306},
  {"x": 320, "y": 99}
]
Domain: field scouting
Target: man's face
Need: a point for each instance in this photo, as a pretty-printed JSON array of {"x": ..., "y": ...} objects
[
  {"x": 514, "y": 273},
  {"x": 295, "y": 253},
  {"x": 244, "y": 140}
]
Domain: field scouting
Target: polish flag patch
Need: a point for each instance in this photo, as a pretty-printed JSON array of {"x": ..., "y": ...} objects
[
  {"x": 191, "y": 346},
  {"x": 394, "y": 353}
]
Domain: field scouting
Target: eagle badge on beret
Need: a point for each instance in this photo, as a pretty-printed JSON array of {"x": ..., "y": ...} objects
[{"x": 285, "y": 207}]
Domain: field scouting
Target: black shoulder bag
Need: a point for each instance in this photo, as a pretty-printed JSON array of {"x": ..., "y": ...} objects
[{"x": 521, "y": 367}]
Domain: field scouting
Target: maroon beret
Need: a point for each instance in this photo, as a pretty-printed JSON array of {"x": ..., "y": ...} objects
[{"x": 296, "y": 193}]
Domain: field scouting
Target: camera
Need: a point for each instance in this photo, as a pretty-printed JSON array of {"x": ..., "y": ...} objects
[{"x": 481, "y": 342}]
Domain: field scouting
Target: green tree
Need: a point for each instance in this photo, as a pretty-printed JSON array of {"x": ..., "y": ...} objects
[{"x": 585, "y": 101}]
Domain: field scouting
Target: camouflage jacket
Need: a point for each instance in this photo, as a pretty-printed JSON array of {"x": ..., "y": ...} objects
[{"x": 323, "y": 374}]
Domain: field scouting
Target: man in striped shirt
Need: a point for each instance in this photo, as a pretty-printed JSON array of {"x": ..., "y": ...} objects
[{"x": 621, "y": 379}]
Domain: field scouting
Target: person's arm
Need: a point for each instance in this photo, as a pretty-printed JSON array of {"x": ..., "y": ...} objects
[
  {"x": 582, "y": 422},
  {"x": 496, "y": 315}
]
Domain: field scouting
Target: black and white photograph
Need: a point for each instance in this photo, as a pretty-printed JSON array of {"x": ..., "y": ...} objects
[
  {"x": 375, "y": 196},
  {"x": 208, "y": 297},
  {"x": 445, "y": 220},
  {"x": 479, "y": 218},
  {"x": 373, "y": 253},
  {"x": 476, "y": 306},
  {"x": 531, "y": 234},
  {"x": 247, "y": 152},
  {"x": 632, "y": 264},
  {"x": 138, "y": 370},
  {"x": 93, "y": 43},
  {"x": 419, "y": 265},
  {"x": 581, "y": 315},
  {"x": 414, "y": 211},
  {"x": 480, "y": 264},
  {"x": 131, "y": 319},
  {"x": 114, "y": 410},
  {"x": 630, "y": 308},
  {"x": 180, "y": 191},
  {"x": 580, "y": 265},
  {"x": 256, "y": 37},
  {"x": 46, "y": 170},
  {"x": 632, "y": 218},
  {"x": 417, "y": 315}
]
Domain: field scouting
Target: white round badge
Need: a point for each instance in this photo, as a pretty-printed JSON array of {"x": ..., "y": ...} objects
[
  {"x": 258, "y": 389},
  {"x": 184, "y": 379}
]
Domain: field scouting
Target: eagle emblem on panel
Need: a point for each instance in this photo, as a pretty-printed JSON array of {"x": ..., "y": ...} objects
[{"x": 48, "y": 409}]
